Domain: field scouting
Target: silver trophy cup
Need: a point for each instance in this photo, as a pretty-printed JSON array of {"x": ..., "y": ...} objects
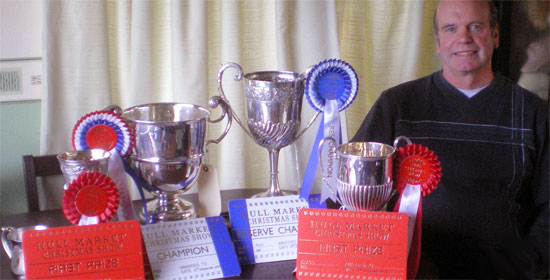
[
  {"x": 73, "y": 163},
  {"x": 364, "y": 180},
  {"x": 12, "y": 241},
  {"x": 273, "y": 106},
  {"x": 168, "y": 153}
]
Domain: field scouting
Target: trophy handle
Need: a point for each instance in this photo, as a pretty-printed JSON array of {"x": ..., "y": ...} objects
[
  {"x": 399, "y": 139},
  {"x": 320, "y": 149},
  {"x": 8, "y": 247},
  {"x": 302, "y": 78},
  {"x": 226, "y": 110},
  {"x": 113, "y": 108},
  {"x": 313, "y": 119},
  {"x": 237, "y": 77}
]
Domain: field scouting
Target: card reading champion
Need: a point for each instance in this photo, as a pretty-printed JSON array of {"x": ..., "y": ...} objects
[
  {"x": 111, "y": 250},
  {"x": 265, "y": 229},
  {"x": 192, "y": 249},
  {"x": 338, "y": 244}
]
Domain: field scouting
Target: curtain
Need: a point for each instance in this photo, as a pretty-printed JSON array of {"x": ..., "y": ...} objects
[{"x": 99, "y": 53}]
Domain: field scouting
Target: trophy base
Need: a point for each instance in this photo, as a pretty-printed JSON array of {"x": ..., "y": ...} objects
[
  {"x": 183, "y": 210},
  {"x": 270, "y": 193}
]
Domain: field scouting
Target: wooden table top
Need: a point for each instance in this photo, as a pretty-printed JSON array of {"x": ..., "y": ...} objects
[{"x": 55, "y": 218}]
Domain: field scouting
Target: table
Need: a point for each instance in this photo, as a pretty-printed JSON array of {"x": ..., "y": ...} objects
[{"x": 55, "y": 218}]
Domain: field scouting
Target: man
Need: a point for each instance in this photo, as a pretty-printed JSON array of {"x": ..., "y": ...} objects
[{"x": 488, "y": 217}]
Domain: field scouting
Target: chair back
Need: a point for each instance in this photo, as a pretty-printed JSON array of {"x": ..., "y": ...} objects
[{"x": 34, "y": 167}]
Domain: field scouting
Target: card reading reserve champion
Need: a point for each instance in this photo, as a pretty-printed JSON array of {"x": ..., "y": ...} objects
[
  {"x": 265, "y": 229},
  {"x": 192, "y": 249},
  {"x": 341, "y": 244}
]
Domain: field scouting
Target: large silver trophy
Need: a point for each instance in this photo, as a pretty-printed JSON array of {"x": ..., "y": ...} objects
[
  {"x": 169, "y": 150},
  {"x": 273, "y": 106},
  {"x": 364, "y": 180}
]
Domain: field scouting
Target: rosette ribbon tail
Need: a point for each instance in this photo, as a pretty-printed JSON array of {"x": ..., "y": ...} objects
[
  {"x": 312, "y": 163},
  {"x": 138, "y": 182},
  {"x": 410, "y": 203},
  {"x": 116, "y": 172},
  {"x": 331, "y": 128},
  {"x": 88, "y": 220}
]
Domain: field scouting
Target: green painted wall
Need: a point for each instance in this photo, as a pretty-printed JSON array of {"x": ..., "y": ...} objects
[{"x": 19, "y": 135}]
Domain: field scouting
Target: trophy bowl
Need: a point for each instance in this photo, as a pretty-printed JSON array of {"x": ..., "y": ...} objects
[
  {"x": 168, "y": 153},
  {"x": 364, "y": 180},
  {"x": 273, "y": 107},
  {"x": 73, "y": 163}
]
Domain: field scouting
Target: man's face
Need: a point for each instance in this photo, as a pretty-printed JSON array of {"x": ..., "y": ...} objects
[{"x": 465, "y": 41}]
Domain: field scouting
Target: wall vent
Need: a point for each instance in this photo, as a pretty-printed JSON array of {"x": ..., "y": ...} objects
[{"x": 10, "y": 81}]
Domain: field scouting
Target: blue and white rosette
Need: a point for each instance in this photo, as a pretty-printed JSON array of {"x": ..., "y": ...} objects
[{"x": 330, "y": 87}]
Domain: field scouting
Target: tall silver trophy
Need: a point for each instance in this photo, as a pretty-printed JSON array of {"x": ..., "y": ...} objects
[
  {"x": 273, "y": 106},
  {"x": 169, "y": 151}
]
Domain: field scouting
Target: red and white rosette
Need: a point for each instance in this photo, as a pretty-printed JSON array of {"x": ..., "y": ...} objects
[
  {"x": 91, "y": 198},
  {"x": 103, "y": 130},
  {"x": 418, "y": 171}
]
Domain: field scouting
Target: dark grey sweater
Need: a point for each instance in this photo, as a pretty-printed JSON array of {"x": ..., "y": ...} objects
[{"x": 489, "y": 215}]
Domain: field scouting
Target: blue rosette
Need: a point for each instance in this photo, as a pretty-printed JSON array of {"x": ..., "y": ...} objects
[
  {"x": 331, "y": 79},
  {"x": 103, "y": 130}
]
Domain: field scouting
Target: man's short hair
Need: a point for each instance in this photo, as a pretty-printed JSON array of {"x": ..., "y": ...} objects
[{"x": 493, "y": 17}]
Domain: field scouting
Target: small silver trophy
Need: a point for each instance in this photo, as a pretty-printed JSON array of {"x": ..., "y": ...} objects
[
  {"x": 168, "y": 152},
  {"x": 12, "y": 241},
  {"x": 274, "y": 106},
  {"x": 73, "y": 163},
  {"x": 364, "y": 180}
]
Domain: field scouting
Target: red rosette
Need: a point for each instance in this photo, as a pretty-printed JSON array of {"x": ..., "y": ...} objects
[
  {"x": 92, "y": 194},
  {"x": 103, "y": 130},
  {"x": 417, "y": 165}
]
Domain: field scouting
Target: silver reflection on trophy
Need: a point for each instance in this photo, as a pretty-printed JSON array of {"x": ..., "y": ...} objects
[
  {"x": 273, "y": 106},
  {"x": 73, "y": 163},
  {"x": 364, "y": 179},
  {"x": 169, "y": 150},
  {"x": 12, "y": 241}
]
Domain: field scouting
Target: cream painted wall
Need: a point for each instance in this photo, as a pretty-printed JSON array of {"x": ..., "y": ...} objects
[{"x": 20, "y": 37}]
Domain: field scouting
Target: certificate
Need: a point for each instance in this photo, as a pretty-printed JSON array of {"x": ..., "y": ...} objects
[
  {"x": 192, "y": 249},
  {"x": 265, "y": 229},
  {"x": 340, "y": 244},
  {"x": 107, "y": 250}
]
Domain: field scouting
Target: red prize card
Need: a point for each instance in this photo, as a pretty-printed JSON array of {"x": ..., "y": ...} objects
[
  {"x": 338, "y": 244},
  {"x": 109, "y": 250}
]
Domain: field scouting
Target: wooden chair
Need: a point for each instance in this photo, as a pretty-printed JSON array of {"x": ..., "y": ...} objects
[{"x": 38, "y": 166}]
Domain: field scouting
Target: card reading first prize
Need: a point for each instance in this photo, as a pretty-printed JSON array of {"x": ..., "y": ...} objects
[
  {"x": 108, "y": 251},
  {"x": 338, "y": 244}
]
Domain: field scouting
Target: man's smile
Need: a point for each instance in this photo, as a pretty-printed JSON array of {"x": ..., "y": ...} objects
[{"x": 464, "y": 53}]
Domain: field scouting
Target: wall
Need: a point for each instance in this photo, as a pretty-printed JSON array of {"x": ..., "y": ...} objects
[{"x": 20, "y": 33}]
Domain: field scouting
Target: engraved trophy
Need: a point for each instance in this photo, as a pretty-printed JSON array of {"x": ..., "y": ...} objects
[
  {"x": 73, "y": 163},
  {"x": 364, "y": 180},
  {"x": 168, "y": 153},
  {"x": 273, "y": 106}
]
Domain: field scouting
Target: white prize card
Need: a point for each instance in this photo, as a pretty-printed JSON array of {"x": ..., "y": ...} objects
[
  {"x": 192, "y": 249},
  {"x": 265, "y": 229}
]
